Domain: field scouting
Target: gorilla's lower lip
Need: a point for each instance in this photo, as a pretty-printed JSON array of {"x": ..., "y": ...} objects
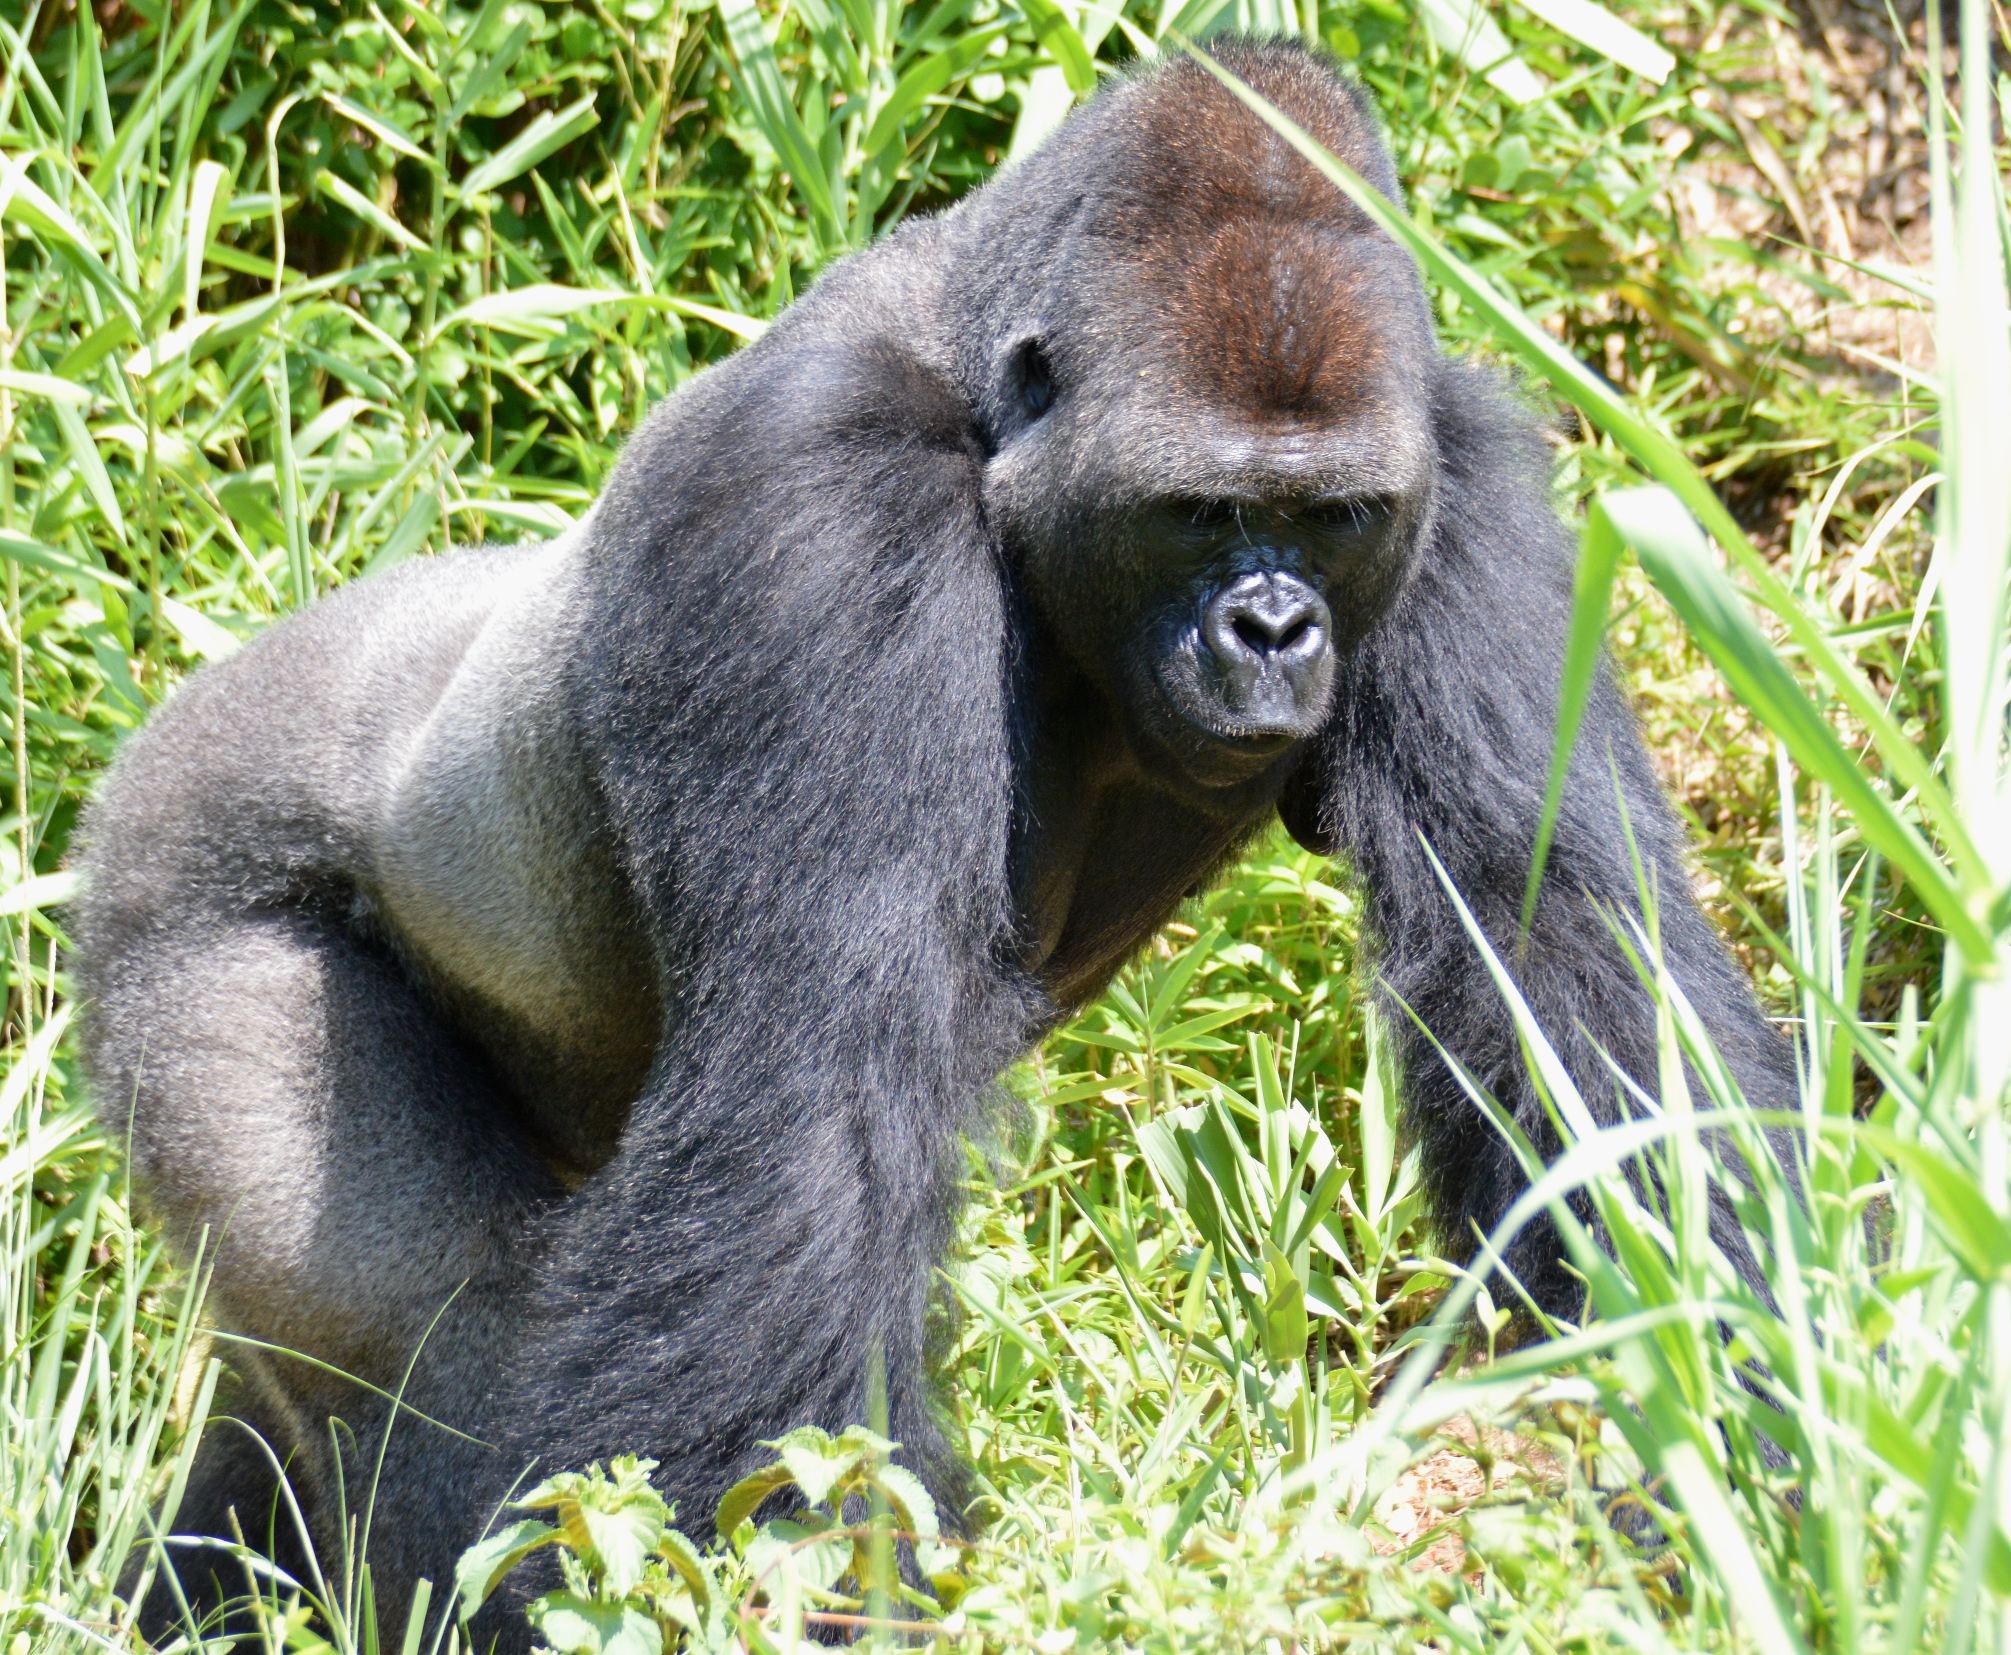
[
  {"x": 1207, "y": 734},
  {"x": 1258, "y": 743}
]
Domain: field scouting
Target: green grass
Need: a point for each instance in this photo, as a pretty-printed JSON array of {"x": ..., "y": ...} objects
[{"x": 295, "y": 291}]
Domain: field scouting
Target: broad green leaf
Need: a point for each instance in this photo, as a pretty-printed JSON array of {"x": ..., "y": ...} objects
[
  {"x": 575, "y": 1626},
  {"x": 1193, "y": 1028},
  {"x": 818, "y": 1549},
  {"x": 553, "y": 1491},
  {"x": 550, "y": 131},
  {"x": 487, "y": 1561},
  {"x": 24, "y": 201},
  {"x": 1378, "y": 1118},
  {"x": 45, "y": 890},
  {"x": 1318, "y": 1203},
  {"x": 488, "y": 73},
  {"x": 206, "y": 204},
  {"x": 816, "y": 1462},
  {"x": 416, "y": 1615},
  {"x": 1159, "y": 1140},
  {"x": 211, "y": 332},
  {"x": 35, "y": 555},
  {"x": 1190, "y": 20},
  {"x": 1180, "y": 972},
  {"x": 409, "y": 533},
  {"x": 171, "y": 449},
  {"x": 624, "y": 1533},
  {"x": 332, "y": 183},
  {"x": 745, "y": 1497},
  {"x": 1204, "y": 1161},
  {"x": 27, "y": 204},
  {"x": 339, "y": 415},
  {"x": 1593, "y": 25},
  {"x": 386, "y": 131},
  {"x": 95, "y": 346},
  {"x": 199, "y": 634},
  {"x": 1058, "y": 37},
  {"x": 541, "y": 517},
  {"x": 511, "y": 309},
  {"x": 748, "y": 328},
  {"x": 543, "y": 301},
  {"x": 867, "y": 1440},
  {"x": 913, "y": 1507},
  {"x": 1196, "y": 1498},
  {"x": 1286, "y": 1325},
  {"x": 924, "y": 81},
  {"x": 45, "y": 385},
  {"x": 172, "y": 346},
  {"x": 691, "y": 1568},
  {"x": 1195, "y": 1300}
]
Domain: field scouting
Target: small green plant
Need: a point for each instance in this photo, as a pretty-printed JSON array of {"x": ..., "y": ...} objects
[{"x": 634, "y": 1585}]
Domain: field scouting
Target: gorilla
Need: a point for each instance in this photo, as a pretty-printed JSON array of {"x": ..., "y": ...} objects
[{"x": 563, "y": 978}]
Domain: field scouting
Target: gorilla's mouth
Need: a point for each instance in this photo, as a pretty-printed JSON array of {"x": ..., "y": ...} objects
[
  {"x": 1209, "y": 745},
  {"x": 1248, "y": 677}
]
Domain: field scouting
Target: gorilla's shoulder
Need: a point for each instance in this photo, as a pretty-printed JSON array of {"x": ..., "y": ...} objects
[{"x": 1488, "y": 424}]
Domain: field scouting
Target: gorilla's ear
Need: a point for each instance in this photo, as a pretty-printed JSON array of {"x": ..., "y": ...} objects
[{"x": 1302, "y": 806}]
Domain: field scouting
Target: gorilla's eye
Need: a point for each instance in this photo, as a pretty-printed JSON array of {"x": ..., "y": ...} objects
[
  {"x": 1033, "y": 378},
  {"x": 1352, "y": 516},
  {"x": 1206, "y": 514}
]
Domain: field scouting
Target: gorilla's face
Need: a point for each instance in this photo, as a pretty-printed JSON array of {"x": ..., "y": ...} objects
[
  {"x": 1204, "y": 531},
  {"x": 1225, "y": 659}
]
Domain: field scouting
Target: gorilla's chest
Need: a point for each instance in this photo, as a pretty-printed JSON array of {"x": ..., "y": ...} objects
[
  {"x": 1102, "y": 852},
  {"x": 494, "y": 876}
]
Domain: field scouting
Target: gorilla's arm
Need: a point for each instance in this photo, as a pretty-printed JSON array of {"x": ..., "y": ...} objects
[
  {"x": 1444, "y": 727},
  {"x": 796, "y": 711}
]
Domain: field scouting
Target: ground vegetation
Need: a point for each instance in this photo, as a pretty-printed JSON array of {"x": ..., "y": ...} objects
[{"x": 293, "y": 290}]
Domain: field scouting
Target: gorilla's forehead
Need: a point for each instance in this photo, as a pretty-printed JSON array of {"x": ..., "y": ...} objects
[
  {"x": 1179, "y": 151},
  {"x": 1287, "y": 322},
  {"x": 1218, "y": 262}
]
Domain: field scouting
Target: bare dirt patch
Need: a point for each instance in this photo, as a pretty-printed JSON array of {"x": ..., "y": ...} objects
[{"x": 1428, "y": 1500}]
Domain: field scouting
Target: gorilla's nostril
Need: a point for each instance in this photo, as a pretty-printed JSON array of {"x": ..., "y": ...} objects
[
  {"x": 1260, "y": 617},
  {"x": 1271, "y": 635}
]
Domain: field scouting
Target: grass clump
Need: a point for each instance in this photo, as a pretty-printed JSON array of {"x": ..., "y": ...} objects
[{"x": 293, "y": 291}]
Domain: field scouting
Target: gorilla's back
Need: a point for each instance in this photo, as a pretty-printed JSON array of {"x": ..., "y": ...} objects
[
  {"x": 266, "y": 774},
  {"x": 397, "y": 758}
]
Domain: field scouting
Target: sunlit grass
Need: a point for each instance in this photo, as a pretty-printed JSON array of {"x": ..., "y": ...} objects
[{"x": 291, "y": 300}]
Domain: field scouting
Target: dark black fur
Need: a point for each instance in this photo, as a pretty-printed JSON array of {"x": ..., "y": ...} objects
[{"x": 623, "y": 937}]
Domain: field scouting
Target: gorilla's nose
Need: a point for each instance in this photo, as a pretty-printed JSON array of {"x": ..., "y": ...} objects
[{"x": 1270, "y": 633}]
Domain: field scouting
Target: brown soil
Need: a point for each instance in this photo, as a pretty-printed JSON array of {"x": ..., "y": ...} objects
[
  {"x": 1832, "y": 118},
  {"x": 1426, "y": 1502}
]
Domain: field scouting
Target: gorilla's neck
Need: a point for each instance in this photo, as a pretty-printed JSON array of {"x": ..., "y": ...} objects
[{"x": 1104, "y": 846}]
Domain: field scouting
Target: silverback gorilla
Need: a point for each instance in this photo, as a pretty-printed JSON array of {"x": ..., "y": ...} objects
[{"x": 614, "y": 941}]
